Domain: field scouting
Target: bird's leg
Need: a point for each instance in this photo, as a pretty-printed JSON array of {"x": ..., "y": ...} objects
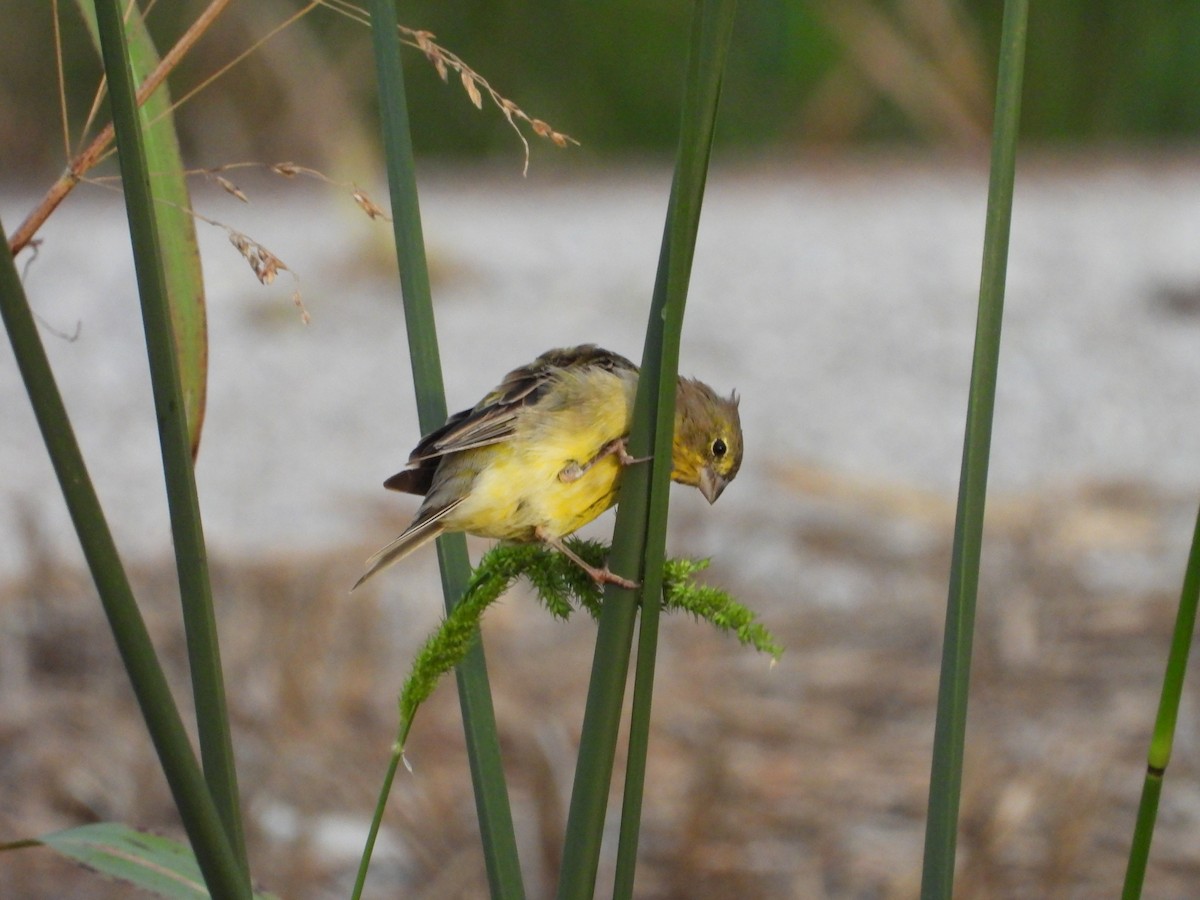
[
  {"x": 600, "y": 576},
  {"x": 573, "y": 471}
]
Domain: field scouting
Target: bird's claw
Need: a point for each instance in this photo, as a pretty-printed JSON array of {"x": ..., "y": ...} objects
[
  {"x": 600, "y": 575},
  {"x": 621, "y": 451}
]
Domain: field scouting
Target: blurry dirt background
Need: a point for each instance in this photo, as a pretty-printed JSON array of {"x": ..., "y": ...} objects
[{"x": 803, "y": 780}]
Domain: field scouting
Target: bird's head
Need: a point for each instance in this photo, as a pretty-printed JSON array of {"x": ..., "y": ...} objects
[{"x": 707, "y": 452}]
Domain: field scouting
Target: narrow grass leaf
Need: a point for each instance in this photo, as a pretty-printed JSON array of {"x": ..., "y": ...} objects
[
  {"x": 945, "y": 786},
  {"x": 174, "y": 223},
  {"x": 147, "y": 861}
]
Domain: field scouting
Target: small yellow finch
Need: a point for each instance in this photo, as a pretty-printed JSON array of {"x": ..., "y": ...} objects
[{"x": 541, "y": 455}]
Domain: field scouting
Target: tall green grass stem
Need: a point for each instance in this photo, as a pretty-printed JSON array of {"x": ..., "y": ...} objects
[
  {"x": 195, "y": 589},
  {"x": 1164, "y": 724},
  {"x": 479, "y": 719},
  {"x": 639, "y": 540},
  {"x": 711, "y": 32},
  {"x": 1143, "y": 834},
  {"x": 221, "y": 866},
  {"x": 949, "y": 732}
]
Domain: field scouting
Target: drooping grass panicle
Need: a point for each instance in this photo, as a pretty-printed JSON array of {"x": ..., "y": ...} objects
[
  {"x": 710, "y": 604},
  {"x": 562, "y": 587}
]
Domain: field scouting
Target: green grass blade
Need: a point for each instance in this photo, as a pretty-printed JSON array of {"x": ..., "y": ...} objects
[
  {"x": 712, "y": 30},
  {"x": 175, "y": 225},
  {"x": 640, "y": 538},
  {"x": 949, "y": 733},
  {"x": 221, "y": 867},
  {"x": 1164, "y": 724},
  {"x": 208, "y": 687},
  {"x": 479, "y": 719}
]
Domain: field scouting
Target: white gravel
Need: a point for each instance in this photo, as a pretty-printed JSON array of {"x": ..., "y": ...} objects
[{"x": 838, "y": 298}]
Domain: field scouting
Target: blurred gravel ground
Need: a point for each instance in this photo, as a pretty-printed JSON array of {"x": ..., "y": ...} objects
[{"x": 838, "y": 298}]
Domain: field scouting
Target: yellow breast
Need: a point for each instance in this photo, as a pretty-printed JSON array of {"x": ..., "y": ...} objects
[{"x": 518, "y": 489}]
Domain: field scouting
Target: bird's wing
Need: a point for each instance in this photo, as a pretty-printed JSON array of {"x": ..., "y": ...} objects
[{"x": 493, "y": 419}]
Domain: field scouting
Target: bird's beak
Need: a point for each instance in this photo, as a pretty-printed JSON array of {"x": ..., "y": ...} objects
[{"x": 711, "y": 484}]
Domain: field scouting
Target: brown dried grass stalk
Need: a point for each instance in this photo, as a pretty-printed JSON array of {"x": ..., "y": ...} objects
[{"x": 444, "y": 61}]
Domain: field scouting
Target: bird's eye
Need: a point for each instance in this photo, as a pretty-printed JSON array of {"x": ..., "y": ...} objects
[{"x": 719, "y": 448}]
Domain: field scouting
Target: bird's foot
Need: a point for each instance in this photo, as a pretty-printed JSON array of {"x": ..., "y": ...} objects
[
  {"x": 573, "y": 470},
  {"x": 601, "y": 576}
]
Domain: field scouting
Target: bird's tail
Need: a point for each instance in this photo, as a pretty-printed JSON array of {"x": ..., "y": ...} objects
[{"x": 416, "y": 535}]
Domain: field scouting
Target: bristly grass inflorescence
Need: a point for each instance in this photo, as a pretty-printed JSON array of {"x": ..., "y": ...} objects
[{"x": 562, "y": 587}]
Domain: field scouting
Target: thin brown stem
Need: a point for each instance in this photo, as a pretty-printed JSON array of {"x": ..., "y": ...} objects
[{"x": 95, "y": 151}]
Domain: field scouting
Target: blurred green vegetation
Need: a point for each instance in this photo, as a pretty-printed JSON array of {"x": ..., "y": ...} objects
[
  {"x": 820, "y": 72},
  {"x": 1107, "y": 69}
]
